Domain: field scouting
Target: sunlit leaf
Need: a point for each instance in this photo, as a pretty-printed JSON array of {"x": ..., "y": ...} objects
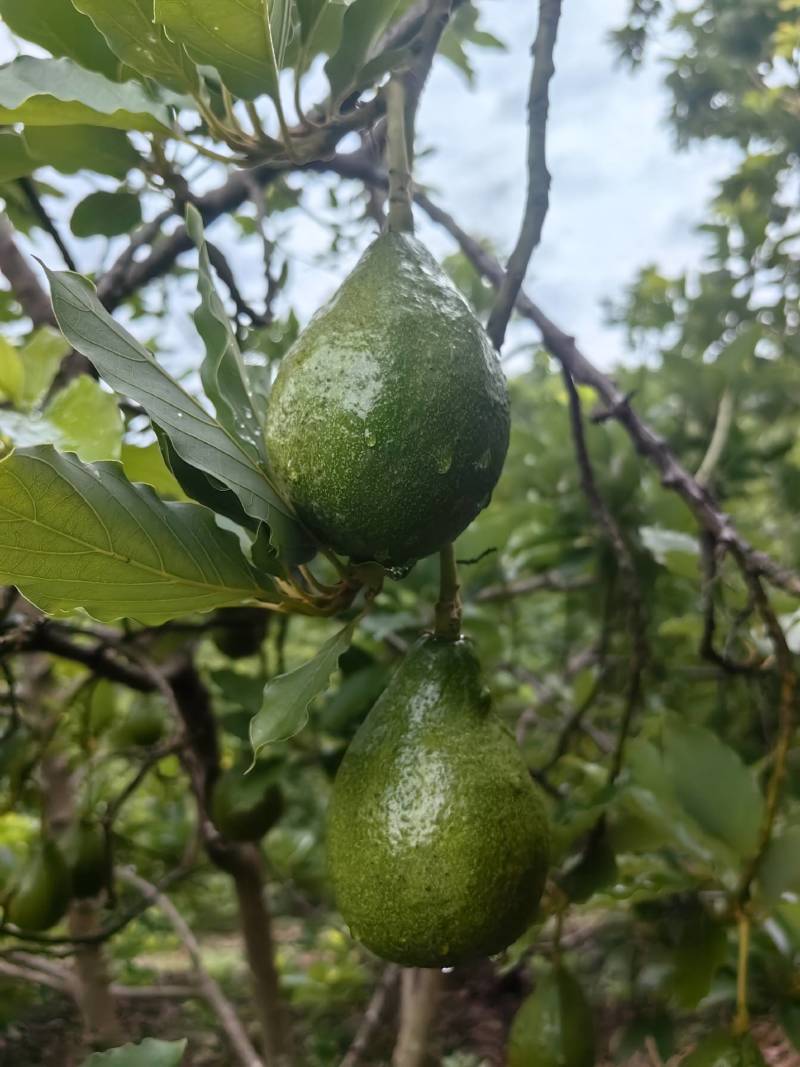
[
  {"x": 149, "y": 1053},
  {"x": 364, "y": 21},
  {"x": 74, "y": 148},
  {"x": 57, "y": 26}
]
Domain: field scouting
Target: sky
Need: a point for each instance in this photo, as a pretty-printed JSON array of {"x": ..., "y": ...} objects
[{"x": 621, "y": 197}]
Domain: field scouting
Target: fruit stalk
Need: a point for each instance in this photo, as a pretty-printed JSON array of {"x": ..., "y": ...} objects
[
  {"x": 419, "y": 997},
  {"x": 401, "y": 219},
  {"x": 448, "y": 607}
]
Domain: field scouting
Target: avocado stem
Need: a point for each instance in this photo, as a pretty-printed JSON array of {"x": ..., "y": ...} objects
[
  {"x": 401, "y": 218},
  {"x": 741, "y": 1022},
  {"x": 448, "y": 607}
]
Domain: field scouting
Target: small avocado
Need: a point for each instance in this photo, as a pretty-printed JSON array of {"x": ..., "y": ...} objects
[
  {"x": 388, "y": 423},
  {"x": 87, "y": 858},
  {"x": 554, "y": 1026},
  {"x": 722, "y": 1049},
  {"x": 245, "y": 807},
  {"x": 143, "y": 726},
  {"x": 42, "y": 894},
  {"x": 437, "y": 837},
  {"x": 241, "y": 632}
]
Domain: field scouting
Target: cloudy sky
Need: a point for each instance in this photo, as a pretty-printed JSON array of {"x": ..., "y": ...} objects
[{"x": 621, "y": 197}]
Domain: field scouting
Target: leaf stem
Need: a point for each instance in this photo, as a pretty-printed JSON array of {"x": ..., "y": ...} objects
[
  {"x": 401, "y": 219},
  {"x": 448, "y": 607},
  {"x": 741, "y": 1022}
]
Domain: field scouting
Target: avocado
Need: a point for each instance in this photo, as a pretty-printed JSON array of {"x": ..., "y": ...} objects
[
  {"x": 437, "y": 837},
  {"x": 244, "y": 807},
  {"x": 241, "y": 632},
  {"x": 42, "y": 894},
  {"x": 87, "y": 858},
  {"x": 143, "y": 726},
  {"x": 388, "y": 422},
  {"x": 553, "y": 1027}
]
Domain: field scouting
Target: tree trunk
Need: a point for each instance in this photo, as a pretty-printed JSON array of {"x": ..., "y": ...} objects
[
  {"x": 257, "y": 933},
  {"x": 101, "y": 1024},
  {"x": 419, "y": 999}
]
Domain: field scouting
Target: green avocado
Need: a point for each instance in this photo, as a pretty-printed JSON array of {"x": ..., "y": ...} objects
[
  {"x": 554, "y": 1026},
  {"x": 241, "y": 632},
  {"x": 388, "y": 423},
  {"x": 244, "y": 807},
  {"x": 143, "y": 725},
  {"x": 722, "y": 1049},
  {"x": 42, "y": 894},
  {"x": 87, "y": 858},
  {"x": 437, "y": 837}
]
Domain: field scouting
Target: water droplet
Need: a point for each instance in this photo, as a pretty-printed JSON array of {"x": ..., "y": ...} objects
[
  {"x": 483, "y": 462},
  {"x": 370, "y": 438},
  {"x": 447, "y": 970}
]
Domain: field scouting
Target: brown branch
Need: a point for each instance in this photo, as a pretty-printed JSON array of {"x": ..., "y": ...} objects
[
  {"x": 538, "y": 198},
  {"x": 709, "y": 553},
  {"x": 23, "y": 281},
  {"x": 627, "y": 567},
  {"x": 372, "y": 1018},
  {"x": 31, "y": 195},
  {"x": 552, "y": 581},
  {"x": 212, "y": 993}
]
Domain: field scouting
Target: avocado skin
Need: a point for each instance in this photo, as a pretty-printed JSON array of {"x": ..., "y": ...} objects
[
  {"x": 245, "y": 810},
  {"x": 554, "y": 1026},
  {"x": 437, "y": 837},
  {"x": 43, "y": 893},
  {"x": 388, "y": 423}
]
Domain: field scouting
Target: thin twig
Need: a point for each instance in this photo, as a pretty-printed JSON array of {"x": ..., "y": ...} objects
[
  {"x": 372, "y": 1018},
  {"x": 31, "y": 195},
  {"x": 215, "y": 998},
  {"x": 550, "y": 581},
  {"x": 538, "y": 198},
  {"x": 719, "y": 438}
]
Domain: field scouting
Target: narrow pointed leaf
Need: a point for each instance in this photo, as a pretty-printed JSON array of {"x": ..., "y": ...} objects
[
  {"x": 284, "y": 711},
  {"x": 196, "y": 436},
  {"x": 363, "y": 22},
  {"x": 222, "y": 372},
  {"x": 52, "y": 92},
  {"x": 74, "y": 535}
]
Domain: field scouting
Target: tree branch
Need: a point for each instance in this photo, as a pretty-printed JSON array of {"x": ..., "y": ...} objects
[
  {"x": 538, "y": 198},
  {"x": 372, "y": 1018},
  {"x": 23, "y": 281}
]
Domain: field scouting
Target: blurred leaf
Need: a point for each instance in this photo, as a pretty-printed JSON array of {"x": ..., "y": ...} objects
[
  {"x": 41, "y": 357},
  {"x": 74, "y": 536},
  {"x": 60, "y": 29},
  {"x": 595, "y": 869},
  {"x": 149, "y": 1053},
  {"x": 88, "y": 420},
  {"x": 713, "y": 786},
  {"x": 554, "y": 1025},
  {"x": 49, "y": 92},
  {"x": 15, "y": 160},
  {"x": 779, "y": 872},
  {"x": 364, "y": 21},
  {"x": 233, "y": 36},
  {"x": 284, "y": 711},
  {"x": 789, "y": 1015},
  {"x": 12, "y": 374},
  {"x": 129, "y": 30},
  {"x": 146, "y": 464},
  {"x": 106, "y": 214},
  {"x": 73, "y": 148},
  {"x": 700, "y": 952},
  {"x": 309, "y": 11}
]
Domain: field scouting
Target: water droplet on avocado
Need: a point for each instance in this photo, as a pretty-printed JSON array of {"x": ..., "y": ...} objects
[
  {"x": 370, "y": 438},
  {"x": 484, "y": 460},
  {"x": 444, "y": 461}
]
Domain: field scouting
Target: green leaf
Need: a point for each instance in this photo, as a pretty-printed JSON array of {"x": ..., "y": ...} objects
[
  {"x": 15, "y": 160},
  {"x": 231, "y": 35},
  {"x": 310, "y": 12},
  {"x": 789, "y": 1015},
  {"x": 713, "y": 786},
  {"x": 148, "y": 1053},
  {"x": 73, "y": 148},
  {"x": 197, "y": 438},
  {"x": 12, "y": 373},
  {"x": 779, "y": 872},
  {"x": 678, "y": 552},
  {"x": 51, "y": 92},
  {"x": 553, "y": 1025},
  {"x": 41, "y": 357},
  {"x": 79, "y": 536},
  {"x": 59, "y": 28},
  {"x": 701, "y": 950},
  {"x": 88, "y": 420},
  {"x": 130, "y": 30},
  {"x": 222, "y": 371},
  {"x": 144, "y": 463},
  {"x": 364, "y": 21},
  {"x": 284, "y": 711},
  {"x": 106, "y": 214}
]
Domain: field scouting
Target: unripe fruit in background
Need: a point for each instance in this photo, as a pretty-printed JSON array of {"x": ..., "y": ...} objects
[
  {"x": 42, "y": 894},
  {"x": 245, "y": 807}
]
